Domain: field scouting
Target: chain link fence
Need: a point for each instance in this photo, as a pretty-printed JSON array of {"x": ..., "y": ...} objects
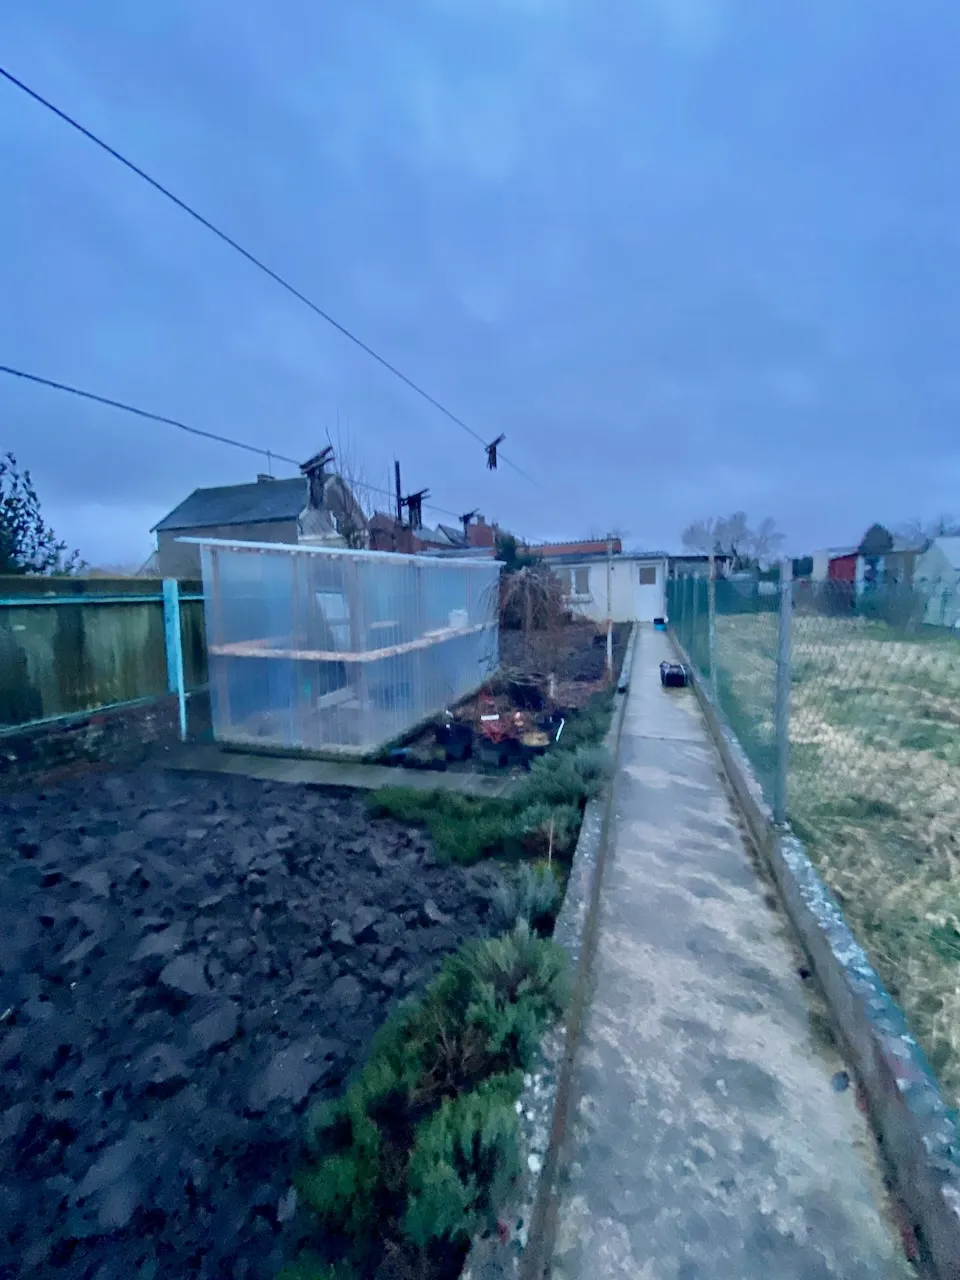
[
  {"x": 867, "y": 765},
  {"x": 729, "y": 631}
]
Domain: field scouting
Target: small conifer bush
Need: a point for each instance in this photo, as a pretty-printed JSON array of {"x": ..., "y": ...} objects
[
  {"x": 465, "y": 1159},
  {"x": 426, "y": 1130},
  {"x": 531, "y": 893}
]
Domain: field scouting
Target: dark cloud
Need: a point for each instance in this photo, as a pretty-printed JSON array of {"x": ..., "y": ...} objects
[{"x": 689, "y": 255}]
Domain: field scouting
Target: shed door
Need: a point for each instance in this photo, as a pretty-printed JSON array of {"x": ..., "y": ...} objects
[{"x": 647, "y": 592}]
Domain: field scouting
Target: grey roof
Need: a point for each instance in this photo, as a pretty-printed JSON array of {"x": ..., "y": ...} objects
[
  {"x": 261, "y": 503},
  {"x": 600, "y": 557},
  {"x": 690, "y": 555},
  {"x": 456, "y": 536},
  {"x": 951, "y": 549}
]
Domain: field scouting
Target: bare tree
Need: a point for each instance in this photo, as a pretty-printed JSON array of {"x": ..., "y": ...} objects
[
  {"x": 766, "y": 539},
  {"x": 596, "y": 534},
  {"x": 700, "y": 536},
  {"x": 353, "y": 516},
  {"x": 919, "y": 533},
  {"x": 531, "y": 598},
  {"x": 733, "y": 537}
]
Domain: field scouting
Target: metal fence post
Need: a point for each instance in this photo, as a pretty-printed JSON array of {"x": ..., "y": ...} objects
[
  {"x": 782, "y": 696},
  {"x": 174, "y": 647},
  {"x": 712, "y": 626},
  {"x": 695, "y": 609}
]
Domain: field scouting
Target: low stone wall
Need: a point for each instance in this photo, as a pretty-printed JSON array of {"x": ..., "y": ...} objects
[
  {"x": 36, "y": 755},
  {"x": 522, "y": 1248},
  {"x": 917, "y": 1132}
]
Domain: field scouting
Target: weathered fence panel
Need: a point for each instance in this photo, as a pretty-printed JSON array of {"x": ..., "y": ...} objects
[{"x": 71, "y": 645}]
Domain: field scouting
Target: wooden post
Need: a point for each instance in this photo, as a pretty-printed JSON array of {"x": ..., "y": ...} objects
[{"x": 527, "y": 615}]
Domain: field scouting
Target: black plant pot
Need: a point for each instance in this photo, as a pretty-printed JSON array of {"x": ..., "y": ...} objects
[
  {"x": 456, "y": 739},
  {"x": 498, "y": 755},
  {"x": 527, "y": 694}
]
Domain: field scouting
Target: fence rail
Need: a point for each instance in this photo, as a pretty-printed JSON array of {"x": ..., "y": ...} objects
[
  {"x": 847, "y": 703},
  {"x": 76, "y": 645}
]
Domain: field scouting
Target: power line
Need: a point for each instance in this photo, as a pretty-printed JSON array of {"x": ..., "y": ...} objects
[
  {"x": 255, "y": 261},
  {"x": 181, "y": 426}
]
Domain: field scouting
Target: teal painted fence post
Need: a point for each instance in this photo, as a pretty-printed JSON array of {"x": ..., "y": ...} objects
[{"x": 174, "y": 647}]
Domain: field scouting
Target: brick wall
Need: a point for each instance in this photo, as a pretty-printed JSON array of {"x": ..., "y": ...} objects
[{"x": 113, "y": 738}]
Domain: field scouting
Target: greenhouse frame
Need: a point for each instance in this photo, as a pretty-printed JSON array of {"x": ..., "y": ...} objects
[{"x": 328, "y": 651}]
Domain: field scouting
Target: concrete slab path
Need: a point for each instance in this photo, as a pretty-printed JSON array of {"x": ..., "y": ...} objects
[
  {"x": 710, "y": 1139},
  {"x": 207, "y": 757}
]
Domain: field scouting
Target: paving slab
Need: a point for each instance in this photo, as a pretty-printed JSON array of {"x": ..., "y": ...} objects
[
  {"x": 714, "y": 1134},
  {"x": 304, "y": 771}
]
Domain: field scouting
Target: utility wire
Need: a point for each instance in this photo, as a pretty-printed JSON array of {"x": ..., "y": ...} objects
[
  {"x": 269, "y": 454},
  {"x": 255, "y": 261}
]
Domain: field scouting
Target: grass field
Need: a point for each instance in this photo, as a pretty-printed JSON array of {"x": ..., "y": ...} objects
[{"x": 874, "y": 791}]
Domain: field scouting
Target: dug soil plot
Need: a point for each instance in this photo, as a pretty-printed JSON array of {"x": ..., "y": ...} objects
[{"x": 184, "y": 963}]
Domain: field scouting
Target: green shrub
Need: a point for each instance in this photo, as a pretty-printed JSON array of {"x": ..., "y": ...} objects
[
  {"x": 517, "y": 985},
  {"x": 595, "y": 766},
  {"x": 548, "y": 831},
  {"x": 347, "y": 1188},
  {"x": 465, "y": 1159},
  {"x": 532, "y": 893},
  {"x": 589, "y": 726},
  {"x": 567, "y": 778},
  {"x": 480, "y": 1018},
  {"x": 464, "y": 828}
]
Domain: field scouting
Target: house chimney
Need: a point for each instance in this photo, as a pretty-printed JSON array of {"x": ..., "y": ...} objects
[{"x": 315, "y": 469}]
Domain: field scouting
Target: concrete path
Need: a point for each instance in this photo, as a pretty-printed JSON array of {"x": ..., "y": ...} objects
[
  {"x": 709, "y": 1140},
  {"x": 207, "y": 757}
]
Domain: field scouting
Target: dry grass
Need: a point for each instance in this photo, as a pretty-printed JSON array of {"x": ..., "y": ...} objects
[{"x": 874, "y": 791}]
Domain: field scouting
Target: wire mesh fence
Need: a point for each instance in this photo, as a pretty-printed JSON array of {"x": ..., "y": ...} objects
[
  {"x": 871, "y": 772},
  {"x": 732, "y": 643},
  {"x": 874, "y": 791}
]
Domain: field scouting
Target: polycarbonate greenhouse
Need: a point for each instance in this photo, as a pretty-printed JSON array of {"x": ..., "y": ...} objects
[{"x": 340, "y": 652}]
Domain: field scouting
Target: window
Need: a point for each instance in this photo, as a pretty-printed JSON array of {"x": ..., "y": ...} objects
[
  {"x": 648, "y": 575},
  {"x": 574, "y": 583}
]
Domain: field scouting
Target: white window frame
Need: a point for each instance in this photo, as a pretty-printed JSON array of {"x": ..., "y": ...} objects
[{"x": 567, "y": 575}]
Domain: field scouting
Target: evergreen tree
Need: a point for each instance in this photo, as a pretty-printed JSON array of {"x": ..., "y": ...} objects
[{"x": 27, "y": 543}]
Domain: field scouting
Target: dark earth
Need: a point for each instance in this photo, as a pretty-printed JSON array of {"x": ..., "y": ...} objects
[
  {"x": 574, "y": 655},
  {"x": 185, "y": 962}
]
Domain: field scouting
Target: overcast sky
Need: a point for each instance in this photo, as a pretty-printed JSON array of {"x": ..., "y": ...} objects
[{"x": 689, "y": 255}]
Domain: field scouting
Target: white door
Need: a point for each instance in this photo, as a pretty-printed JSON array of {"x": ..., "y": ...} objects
[{"x": 647, "y": 591}]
